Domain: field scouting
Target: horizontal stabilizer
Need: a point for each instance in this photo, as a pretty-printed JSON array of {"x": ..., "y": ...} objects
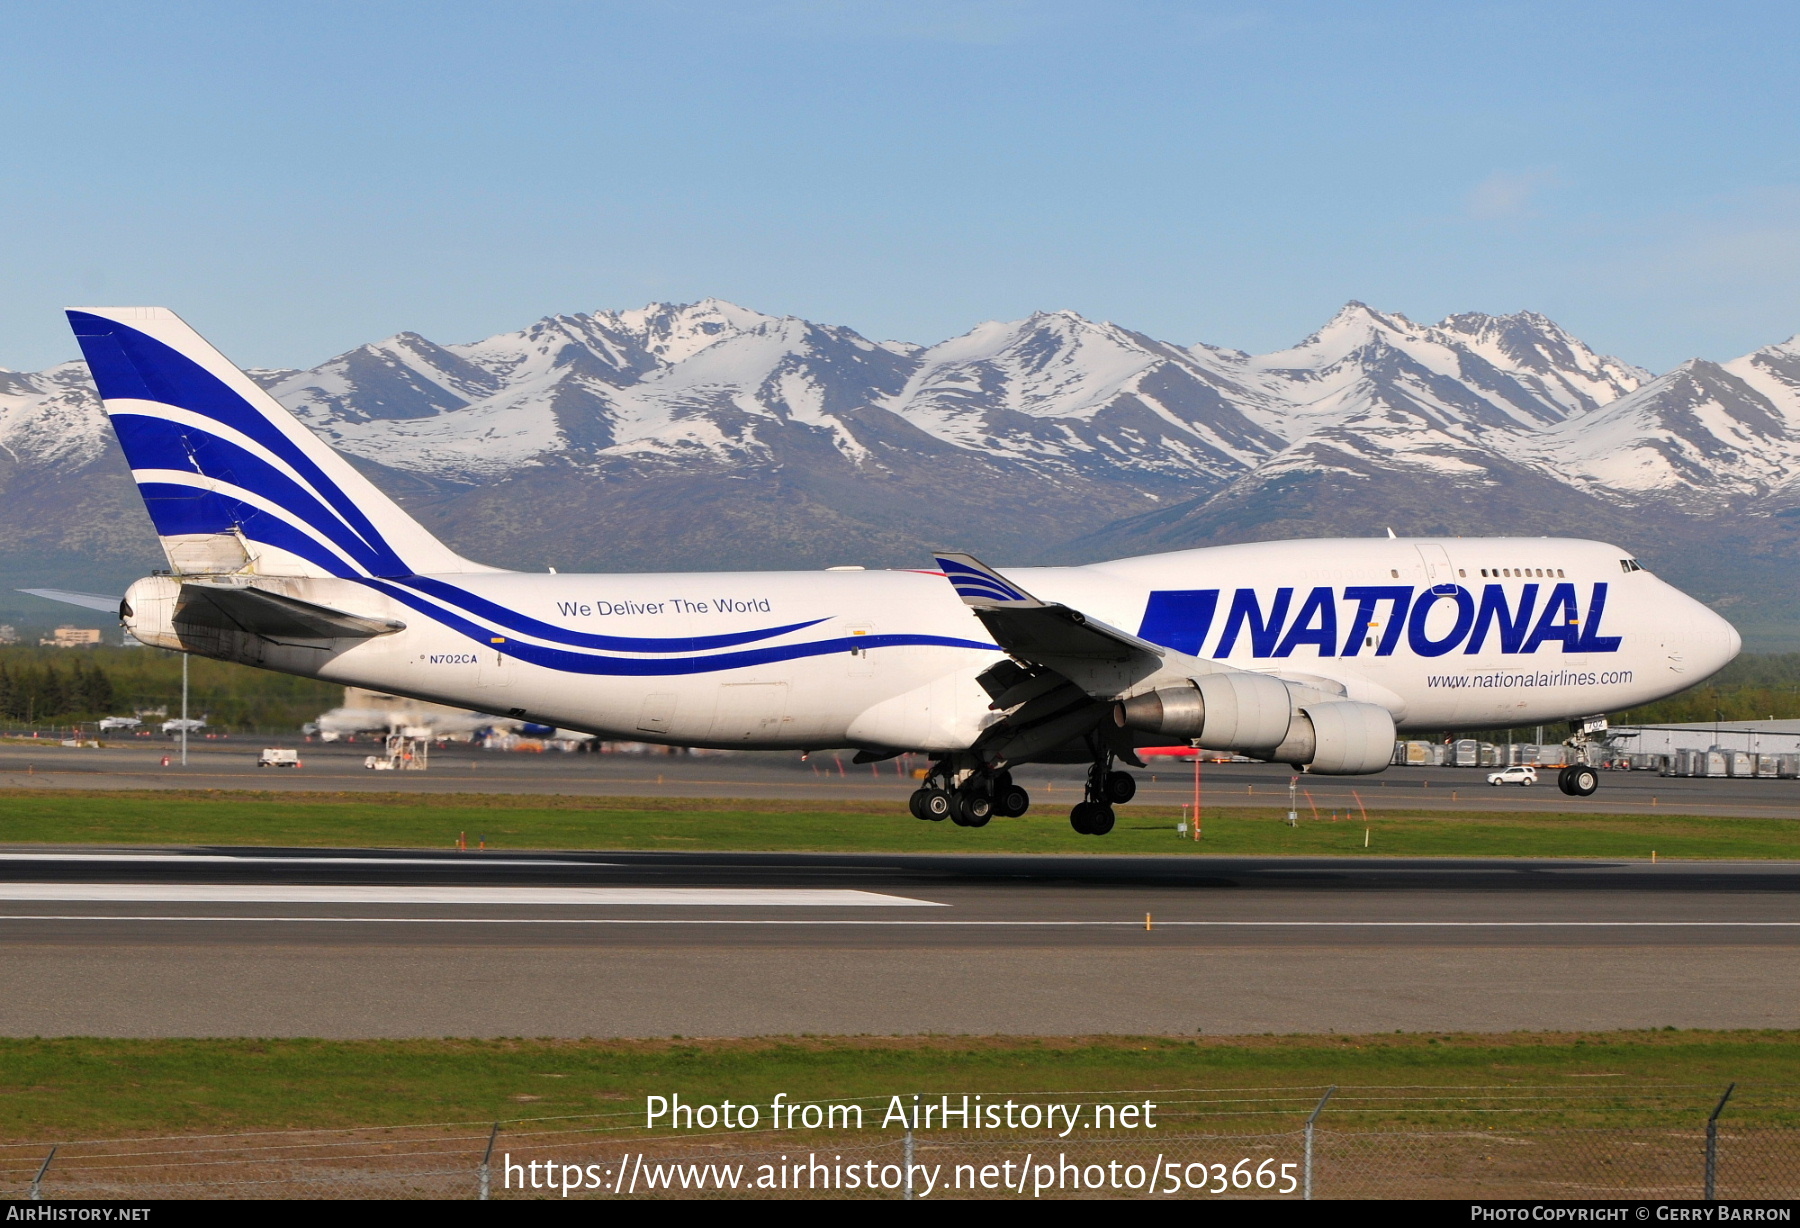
[
  {"x": 234, "y": 608},
  {"x": 87, "y": 601}
]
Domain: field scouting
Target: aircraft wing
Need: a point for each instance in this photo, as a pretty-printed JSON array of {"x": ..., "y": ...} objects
[
  {"x": 237, "y": 608},
  {"x": 87, "y": 601},
  {"x": 1041, "y": 632}
]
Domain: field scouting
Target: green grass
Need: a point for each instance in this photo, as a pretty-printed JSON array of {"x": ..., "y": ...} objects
[
  {"x": 88, "y": 1088},
  {"x": 517, "y": 822}
]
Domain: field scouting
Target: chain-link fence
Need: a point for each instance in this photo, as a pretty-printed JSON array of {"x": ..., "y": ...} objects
[{"x": 1639, "y": 1142}]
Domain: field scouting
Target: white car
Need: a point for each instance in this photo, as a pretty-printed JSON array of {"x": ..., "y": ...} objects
[{"x": 1518, "y": 774}]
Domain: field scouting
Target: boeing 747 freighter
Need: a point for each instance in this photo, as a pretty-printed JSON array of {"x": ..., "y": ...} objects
[{"x": 1311, "y": 653}]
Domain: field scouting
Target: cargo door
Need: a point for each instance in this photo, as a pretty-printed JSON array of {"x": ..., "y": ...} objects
[
  {"x": 750, "y": 712},
  {"x": 657, "y": 714}
]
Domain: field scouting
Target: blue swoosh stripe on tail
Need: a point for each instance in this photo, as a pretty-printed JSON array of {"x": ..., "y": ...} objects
[{"x": 129, "y": 364}]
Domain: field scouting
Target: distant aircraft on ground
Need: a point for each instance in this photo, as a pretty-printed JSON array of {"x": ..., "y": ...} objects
[
  {"x": 109, "y": 723},
  {"x": 1312, "y": 653}
]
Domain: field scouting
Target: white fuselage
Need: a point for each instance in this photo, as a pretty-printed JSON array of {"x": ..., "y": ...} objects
[{"x": 800, "y": 659}]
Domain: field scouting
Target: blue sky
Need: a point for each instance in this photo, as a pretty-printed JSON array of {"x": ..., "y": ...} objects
[{"x": 298, "y": 179}]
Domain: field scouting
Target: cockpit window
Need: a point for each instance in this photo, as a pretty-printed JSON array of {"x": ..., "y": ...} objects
[{"x": 1630, "y": 565}]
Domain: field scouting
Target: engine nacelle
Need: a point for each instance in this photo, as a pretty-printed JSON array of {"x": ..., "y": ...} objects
[
  {"x": 1338, "y": 738},
  {"x": 1255, "y": 714},
  {"x": 1248, "y": 712}
]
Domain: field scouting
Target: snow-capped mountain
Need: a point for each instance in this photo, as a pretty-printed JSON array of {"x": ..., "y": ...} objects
[{"x": 708, "y": 434}]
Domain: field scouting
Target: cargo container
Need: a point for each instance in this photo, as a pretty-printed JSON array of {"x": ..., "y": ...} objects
[
  {"x": 1717, "y": 763},
  {"x": 1491, "y": 755},
  {"x": 1787, "y": 766},
  {"x": 1418, "y": 754},
  {"x": 1743, "y": 763},
  {"x": 1768, "y": 767},
  {"x": 1468, "y": 753}
]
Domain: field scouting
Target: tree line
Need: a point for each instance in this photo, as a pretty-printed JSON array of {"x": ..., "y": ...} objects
[
  {"x": 34, "y": 691},
  {"x": 66, "y": 685}
]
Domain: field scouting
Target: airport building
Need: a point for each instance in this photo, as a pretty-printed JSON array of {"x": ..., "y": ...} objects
[
  {"x": 1750, "y": 737},
  {"x": 72, "y": 637}
]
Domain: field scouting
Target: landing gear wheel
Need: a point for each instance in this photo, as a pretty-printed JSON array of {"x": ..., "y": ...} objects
[
  {"x": 1013, "y": 802},
  {"x": 935, "y": 805},
  {"x": 970, "y": 809},
  {"x": 1121, "y": 787},
  {"x": 916, "y": 803},
  {"x": 1091, "y": 818},
  {"x": 1579, "y": 781}
]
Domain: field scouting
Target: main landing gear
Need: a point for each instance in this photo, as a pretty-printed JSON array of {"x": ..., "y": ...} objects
[
  {"x": 969, "y": 798},
  {"x": 1106, "y": 788},
  {"x": 971, "y": 795}
]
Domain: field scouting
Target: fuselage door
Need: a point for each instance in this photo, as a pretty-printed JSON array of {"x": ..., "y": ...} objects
[
  {"x": 860, "y": 664},
  {"x": 1437, "y": 564}
]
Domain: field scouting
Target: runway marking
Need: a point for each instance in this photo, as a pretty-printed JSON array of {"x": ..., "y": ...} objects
[
  {"x": 243, "y": 860},
  {"x": 302, "y": 893},
  {"x": 849, "y": 922}
]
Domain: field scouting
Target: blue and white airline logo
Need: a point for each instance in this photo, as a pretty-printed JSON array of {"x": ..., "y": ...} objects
[{"x": 1381, "y": 615}]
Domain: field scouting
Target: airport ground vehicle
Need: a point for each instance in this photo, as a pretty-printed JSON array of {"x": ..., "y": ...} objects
[
  {"x": 276, "y": 757},
  {"x": 1518, "y": 774},
  {"x": 1313, "y": 653}
]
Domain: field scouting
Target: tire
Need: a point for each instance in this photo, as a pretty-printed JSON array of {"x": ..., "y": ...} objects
[
  {"x": 970, "y": 809},
  {"x": 936, "y": 805},
  {"x": 1580, "y": 782},
  {"x": 1013, "y": 802},
  {"x": 1081, "y": 816},
  {"x": 1102, "y": 822},
  {"x": 916, "y": 803},
  {"x": 1121, "y": 787}
]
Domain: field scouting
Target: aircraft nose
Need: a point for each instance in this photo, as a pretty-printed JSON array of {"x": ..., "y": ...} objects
[{"x": 1718, "y": 641}]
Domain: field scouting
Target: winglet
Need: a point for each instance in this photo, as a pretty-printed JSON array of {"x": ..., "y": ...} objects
[{"x": 981, "y": 587}]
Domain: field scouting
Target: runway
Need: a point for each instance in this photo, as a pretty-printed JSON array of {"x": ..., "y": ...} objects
[
  {"x": 831, "y": 776},
  {"x": 371, "y": 943}
]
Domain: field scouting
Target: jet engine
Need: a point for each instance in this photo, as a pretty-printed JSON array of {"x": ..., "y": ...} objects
[{"x": 1257, "y": 716}]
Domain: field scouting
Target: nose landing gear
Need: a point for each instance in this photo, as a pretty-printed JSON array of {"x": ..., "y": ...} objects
[{"x": 1578, "y": 781}]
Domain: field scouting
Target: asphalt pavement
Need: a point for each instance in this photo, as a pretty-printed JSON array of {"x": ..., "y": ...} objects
[
  {"x": 223, "y": 941},
  {"x": 831, "y": 776}
]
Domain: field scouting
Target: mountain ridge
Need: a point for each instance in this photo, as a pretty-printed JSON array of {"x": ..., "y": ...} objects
[{"x": 712, "y": 435}]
